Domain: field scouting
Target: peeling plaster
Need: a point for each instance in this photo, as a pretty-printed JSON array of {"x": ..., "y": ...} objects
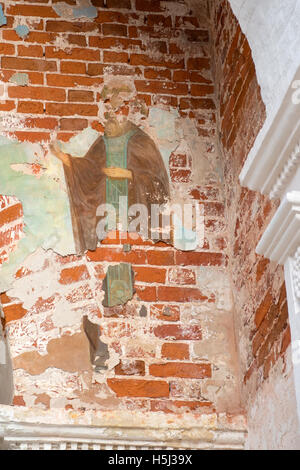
[
  {"x": 20, "y": 79},
  {"x": 68, "y": 353},
  {"x": 22, "y": 31},
  {"x": 3, "y": 19},
  {"x": 45, "y": 203},
  {"x": 272, "y": 421},
  {"x": 83, "y": 9}
]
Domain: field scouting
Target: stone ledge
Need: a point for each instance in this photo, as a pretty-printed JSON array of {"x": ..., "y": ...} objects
[{"x": 25, "y": 428}]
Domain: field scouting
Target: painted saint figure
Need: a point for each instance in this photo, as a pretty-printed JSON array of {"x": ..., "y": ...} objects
[{"x": 123, "y": 162}]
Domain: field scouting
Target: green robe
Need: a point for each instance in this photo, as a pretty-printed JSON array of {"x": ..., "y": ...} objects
[{"x": 88, "y": 187}]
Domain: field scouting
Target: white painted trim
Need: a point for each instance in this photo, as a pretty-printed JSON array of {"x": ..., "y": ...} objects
[
  {"x": 18, "y": 430},
  {"x": 269, "y": 164},
  {"x": 294, "y": 318},
  {"x": 282, "y": 237}
]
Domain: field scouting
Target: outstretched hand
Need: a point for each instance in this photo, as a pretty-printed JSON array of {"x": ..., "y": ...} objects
[{"x": 55, "y": 150}]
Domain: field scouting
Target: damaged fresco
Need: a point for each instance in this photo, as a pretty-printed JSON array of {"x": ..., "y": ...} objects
[
  {"x": 82, "y": 320},
  {"x": 47, "y": 189}
]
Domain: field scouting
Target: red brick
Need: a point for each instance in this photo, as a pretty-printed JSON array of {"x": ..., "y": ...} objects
[
  {"x": 197, "y": 103},
  {"x": 179, "y": 369},
  {"x": 75, "y": 274},
  {"x": 70, "y": 27},
  {"x": 115, "y": 57},
  {"x": 72, "y": 81},
  {"x": 185, "y": 258},
  {"x": 119, "y": 4},
  {"x": 7, "y": 49},
  {"x": 160, "y": 257},
  {"x": 95, "y": 69},
  {"x": 18, "y": 401},
  {"x": 73, "y": 67},
  {"x": 41, "y": 123},
  {"x": 70, "y": 124},
  {"x": 178, "y": 161},
  {"x": 160, "y": 74},
  {"x": 165, "y": 312},
  {"x": 173, "y": 351},
  {"x": 139, "y": 388},
  {"x": 14, "y": 312},
  {"x": 182, "y": 276},
  {"x": 180, "y": 176},
  {"x": 114, "y": 30},
  {"x": 17, "y": 63},
  {"x": 27, "y": 136},
  {"x": 30, "y": 107},
  {"x": 34, "y": 37},
  {"x": 146, "y": 294},
  {"x": 150, "y": 275},
  {"x": 30, "y": 51},
  {"x": 77, "y": 40},
  {"x": 286, "y": 340},
  {"x": 74, "y": 54},
  {"x": 201, "y": 90},
  {"x": 37, "y": 93},
  {"x": 7, "y": 105},
  {"x": 181, "y": 294},
  {"x": 200, "y": 63},
  {"x": 178, "y": 332},
  {"x": 149, "y": 5},
  {"x": 31, "y": 10},
  {"x": 263, "y": 309},
  {"x": 10, "y": 214},
  {"x": 117, "y": 255},
  {"x": 59, "y": 109},
  {"x": 130, "y": 368},
  {"x": 197, "y": 77},
  {"x": 5, "y": 299},
  {"x": 80, "y": 96}
]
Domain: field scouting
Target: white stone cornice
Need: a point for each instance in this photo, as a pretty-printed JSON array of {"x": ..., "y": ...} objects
[
  {"x": 26, "y": 428},
  {"x": 296, "y": 274},
  {"x": 287, "y": 174},
  {"x": 271, "y": 168},
  {"x": 282, "y": 237}
]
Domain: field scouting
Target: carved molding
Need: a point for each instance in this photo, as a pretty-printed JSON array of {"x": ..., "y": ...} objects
[
  {"x": 270, "y": 169},
  {"x": 287, "y": 173},
  {"x": 296, "y": 273},
  {"x": 32, "y": 428},
  {"x": 282, "y": 237},
  {"x": 26, "y": 436}
]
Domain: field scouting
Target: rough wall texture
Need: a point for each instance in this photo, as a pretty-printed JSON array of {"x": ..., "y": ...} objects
[
  {"x": 172, "y": 347},
  {"x": 278, "y": 426},
  {"x": 275, "y": 44},
  {"x": 261, "y": 316}
]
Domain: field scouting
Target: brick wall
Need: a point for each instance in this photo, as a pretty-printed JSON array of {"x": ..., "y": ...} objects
[
  {"x": 177, "y": 353},
  {"x": 11, "y": 225},
  {"x": 261, "y": 316}
]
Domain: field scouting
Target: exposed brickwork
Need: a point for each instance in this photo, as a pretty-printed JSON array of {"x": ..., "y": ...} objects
[
  {"x": 112, "y": 41},
  {"x": 259, "y": 291},
  {"x": 155, "y": 335}
]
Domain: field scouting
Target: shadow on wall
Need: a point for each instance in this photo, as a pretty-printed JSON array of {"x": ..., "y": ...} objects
[{"x": 6, "y": 375}]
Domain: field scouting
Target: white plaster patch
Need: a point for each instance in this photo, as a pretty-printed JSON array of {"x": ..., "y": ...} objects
[
  {"x": 56, "y": 383},
  {"x": 272, "y": 415}
]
